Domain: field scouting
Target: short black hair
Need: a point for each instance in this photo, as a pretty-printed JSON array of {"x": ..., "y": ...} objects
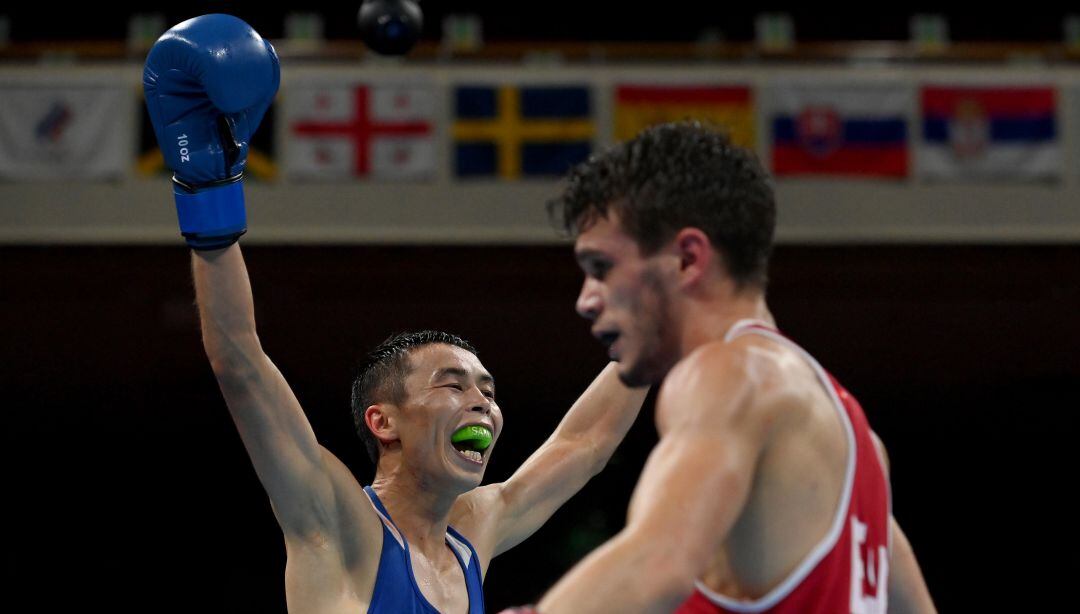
[
  {"x": 673, "y": 176},
  {"x": 381, "y": 376}
]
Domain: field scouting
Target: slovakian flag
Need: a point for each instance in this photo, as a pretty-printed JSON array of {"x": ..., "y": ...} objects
[
  {"x": 995, "y": 133},
  {"x": 369, "y": 130},
  {"x": 843, "y": 130},
  {"x": 528, "y": 131},
  {"x": 638, "y": 106}
]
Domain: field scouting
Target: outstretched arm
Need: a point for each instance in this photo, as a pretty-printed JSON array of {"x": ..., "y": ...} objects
[
  {"x": 580, "y": 447},
  {"x": 690, "y": 494},
  {"x": 908, "y": 593}
]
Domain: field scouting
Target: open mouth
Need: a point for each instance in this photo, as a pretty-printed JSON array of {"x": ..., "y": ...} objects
[
  {"x": 470, "y": 455},
  {"x": 470, "y": 442},
  {"x": 607, "y": 339}
]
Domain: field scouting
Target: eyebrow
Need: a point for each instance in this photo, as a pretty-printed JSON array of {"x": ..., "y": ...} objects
[
  {"x": 589, "y": 254},
  {"x": 483, "y": 378}
]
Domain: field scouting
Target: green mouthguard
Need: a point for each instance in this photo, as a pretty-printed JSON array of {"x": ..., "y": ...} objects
[{"x": 479, "y": 435}]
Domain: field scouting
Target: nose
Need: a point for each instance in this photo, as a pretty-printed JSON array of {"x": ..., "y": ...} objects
[
  {"x": 480, "y": 403},
  {"x": 588, "y": 303}
]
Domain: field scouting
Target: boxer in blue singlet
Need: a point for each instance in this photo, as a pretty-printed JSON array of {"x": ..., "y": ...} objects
[{"x": 420, "y": 537}]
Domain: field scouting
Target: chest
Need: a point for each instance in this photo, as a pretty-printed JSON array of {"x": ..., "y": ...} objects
[{"x": 442, "y": 582}]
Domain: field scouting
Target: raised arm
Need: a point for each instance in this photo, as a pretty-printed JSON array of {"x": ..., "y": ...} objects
[
  {"x": 208, "y": 81},
  {"x": 579, "y": 448},
  {"x": 287, "y": 458}
]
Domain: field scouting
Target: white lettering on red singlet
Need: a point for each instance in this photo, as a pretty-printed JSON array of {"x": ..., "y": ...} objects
[{"x": 873, "y": 570}]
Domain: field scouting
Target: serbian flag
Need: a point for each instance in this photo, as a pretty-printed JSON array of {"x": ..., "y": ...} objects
[
  {"x": 379, "y": 130},
  {"x": 638, "y": 106},
  {"x": 843, "y": 130},
  {"x": 998, "y": 133}
]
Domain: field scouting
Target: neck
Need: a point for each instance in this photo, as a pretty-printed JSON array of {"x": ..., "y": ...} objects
[
  {"x": 419, "y": 507},
  {"x": 708, "y": 316}
]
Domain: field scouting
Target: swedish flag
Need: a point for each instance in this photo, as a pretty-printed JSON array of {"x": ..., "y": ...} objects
[{"x": 511, "y": 131}]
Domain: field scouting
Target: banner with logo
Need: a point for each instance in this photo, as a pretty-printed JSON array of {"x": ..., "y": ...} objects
[{"x": 65, "y": 132}]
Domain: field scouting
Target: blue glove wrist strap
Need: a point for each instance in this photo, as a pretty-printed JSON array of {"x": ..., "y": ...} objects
[{"x": 211, "y": 217}]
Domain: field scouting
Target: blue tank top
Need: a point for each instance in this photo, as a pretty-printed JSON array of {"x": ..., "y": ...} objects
[{"x": 396, "y": 591}]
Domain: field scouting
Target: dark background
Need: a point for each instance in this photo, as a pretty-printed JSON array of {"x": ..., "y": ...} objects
[
  {"x": 569, "y": 20},
  {"x": 129, "y": 486}
]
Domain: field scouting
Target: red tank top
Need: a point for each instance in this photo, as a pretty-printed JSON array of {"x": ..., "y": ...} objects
[{"x": 848, "y": 570}]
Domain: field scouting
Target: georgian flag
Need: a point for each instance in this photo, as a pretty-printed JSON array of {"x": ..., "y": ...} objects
[{"x": 371, "y": 130}]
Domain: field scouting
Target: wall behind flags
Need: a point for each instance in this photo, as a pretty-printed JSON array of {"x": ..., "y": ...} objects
[{"x": 463, "y": 155}]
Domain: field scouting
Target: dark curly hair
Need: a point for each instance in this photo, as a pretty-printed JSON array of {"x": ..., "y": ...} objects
[
  {"x": 381, "y": 376},
  {"x": 674, "y": 176}
]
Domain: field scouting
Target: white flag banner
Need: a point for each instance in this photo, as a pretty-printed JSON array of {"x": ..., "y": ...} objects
[
  {"x": 379, "y": 130},
  {"x": 1075, "y": 120},
  {"x": 66, "y": 132}
]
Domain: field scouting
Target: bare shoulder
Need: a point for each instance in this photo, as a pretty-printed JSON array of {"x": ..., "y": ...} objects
[
  {"x": 339, "y": 565},
  {"x": 350, "y": 494},
  {"x": 474, "y": 511},
  {"x": 477, "y": 502},
  {"x": 354, "y": 522},
  {"x": 721, "y": 381},
  {"x": 475, "y": 516},
  {"x": 883, "y": 454}
]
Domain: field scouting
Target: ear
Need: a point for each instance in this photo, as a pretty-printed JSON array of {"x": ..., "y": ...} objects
[
  {"x": 381, "y": 423},
  {"x": 696, "y": 255}
]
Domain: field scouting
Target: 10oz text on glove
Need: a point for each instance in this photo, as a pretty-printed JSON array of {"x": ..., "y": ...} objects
[{"x": 181, "y": 142}]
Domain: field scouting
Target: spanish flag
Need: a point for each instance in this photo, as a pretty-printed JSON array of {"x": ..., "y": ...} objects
[
  {"x": 728, "y": 107},
  {"x": 511, "y": 132}
]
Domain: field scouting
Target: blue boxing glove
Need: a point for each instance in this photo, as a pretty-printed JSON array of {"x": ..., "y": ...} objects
[{"x": 208, "y": 81}]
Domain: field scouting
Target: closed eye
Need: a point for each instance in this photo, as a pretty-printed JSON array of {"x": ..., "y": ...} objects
[
  {"x": 597, "y": 269},
  {"x": 594, "y": 263}
]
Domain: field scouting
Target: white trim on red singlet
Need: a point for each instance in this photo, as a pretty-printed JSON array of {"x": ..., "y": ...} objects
[{"x": 826, "y": 545}]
